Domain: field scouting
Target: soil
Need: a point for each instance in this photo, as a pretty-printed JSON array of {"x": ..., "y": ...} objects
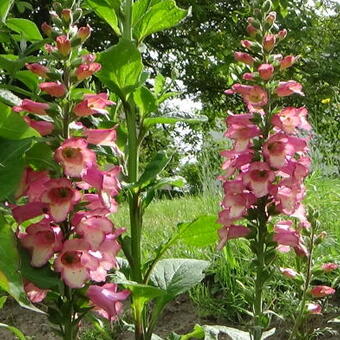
[{"x": 180, "y": 317}]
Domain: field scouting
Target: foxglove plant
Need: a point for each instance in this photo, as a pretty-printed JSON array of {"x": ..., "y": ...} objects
[
  {"x": 71, "y": 233},
  {"x": 268, "y": 163}
]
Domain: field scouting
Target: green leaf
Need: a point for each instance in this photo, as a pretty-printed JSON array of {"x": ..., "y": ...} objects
[
  {"x": 176, "y": 276},
  {"x": 121, "y": 68},
  {"x": 166, "y": 96},
  {"x": 105, "y": 11},
  {"x": 43, "y": 277},
  {"x": 157, "y": 164},
  {"x": 3, "y": 300},
  {"x": 10, "y": 278},
  {"x": 40, "y": 157},
  {"x": 14, "y": 330},
  {"x": 29, "y": 79},
  {"x": 159, "y": 84},
  {"x": 27, "y": 28},
  {"x": 8, "y": 98},
  {"x": 160, "y": 16},
  {"x": 202, "y": 232},
  {"x": 5, "y": 6},
  {"x": 12, "y": 164},
  {"x": 145, "y": 101},
  {"x": 12, "y": 126},
  {"x": 173, "y": 119}
]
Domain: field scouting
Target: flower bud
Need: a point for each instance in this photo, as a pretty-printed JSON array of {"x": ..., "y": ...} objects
[
  {"x": 270, "y": 18},
  {"x": 328, "y": 267},
  {"x": 282, "y": 34},
  {"x": 266, "y": 71},
  {"x": 247, "y": 44},
  {"x": 251, "y": 30},
  {"x": 49, "y": 48},
  {"x": 54, "y": 89},
  {"x": 38, "y": 69},
  {"x": 244, "y": 58},
  {"x": 248, "y": 76},
  {"x": 287, "y": 61},
  {"x": 57, "y": 6},
  {"x": 269, "y": 42},
  {"x": 84, "y": 33},
  {"x": 66, "y": 16},
  {"x": 63, "y": 45},
  {"x": 46, "y": 28},
  {"x": 288, "y": 272},
  {"x": 55, "y": 19},
  {"x": 321, "y": 291},
  {"x": 314, "y": 308}
]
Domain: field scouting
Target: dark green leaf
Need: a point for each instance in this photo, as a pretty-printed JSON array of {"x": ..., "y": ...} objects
[
  {"x": 121, "y": 67},
  {"x": 173, "y": 119},
  {"x": 28, "y": 29},
  {"x": 40, "y": 157},
  {"x": 145, "y": 101},
  {"x": 29, "y": 79},
  {"x": 5, "y": 6}
]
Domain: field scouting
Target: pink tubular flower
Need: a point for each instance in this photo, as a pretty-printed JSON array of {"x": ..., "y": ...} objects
[
  {"x": 248, "y": 76},
  {"x": 38, "y": 69},
  {"x": 254, "y": 95},
  {"x": 63, "y": 45},
  {"x": 32, "y": 107},
  {"x": 75, "y": 157},
  {"x": 101, "y": 136},
  {"x": 92, "y": 104},
  {"x": 321, "y": 291},
  {"x": 286, "y": 88},
  {"x": 271, "y": 17},
  {"x": 74, "y": 263},
  {"x": 266, "y": 71},
  {"x": 288, "y": 272},
  {"x": 287, "y": 61},
  {"x": 235, "y": 160},
  {"x": 54, "y": 89},
  {"x": 290, "y": 118},
  {"x": 107, "y": 300},
  {"x": 247, "y": 44},
  {"x": 231, "y": 232},
  {"x": 34, "y": 293},
  {"x": 269, "y": 42},
  {"x": 328, "y": 267},
  {"x": 96, "y": 205},
  {"x": 49, "y": 48},
  {"x": 43, "y": 240},
  {"x": 314, "y": 308},
  {"x": 87, "y": 70},
  {"x": 282, "y": 34},
  {"x": 258, "y": 177},
  {"x": 84, "y": 33},
  {"x": 285, "y": 235},
  {"x": 27, "y": 211},
  {"x": 60, "y": 196},
  {"x": 251, "y": 30},
  {"x": 43, "y": 127},
  {"x": 94, "y": 229},
  {"x": 46, "y": 28},
  {"x": 244, "y": 58}
]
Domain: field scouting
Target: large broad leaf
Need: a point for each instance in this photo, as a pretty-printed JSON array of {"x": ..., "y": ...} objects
[
  {"x": 145, "y": 101},
  {"x": 157, "y": 164},
  {"x": 176, "y": 276},
  {"x": 10, "y": 277},
  {"x": 121, "y": 68},
  {"x": 12, "y": 164},
  {"x": 40, "y": 157},
  {"x": 105, "y": 11},
  {"x": 8, "y": 98},
  {"x": 173, "y": 119},
  {"x": 201, "y": 232},
  {"x": 162, "y": 15},
  {"x": 29, "y": 79},
  {"x": 5, "y": 6},
  {"x": 12, "y": 126},
  {"x": 28, "y": 29}
]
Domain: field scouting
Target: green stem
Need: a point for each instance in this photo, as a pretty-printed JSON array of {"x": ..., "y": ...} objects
[{"x": 70, "y": 328}]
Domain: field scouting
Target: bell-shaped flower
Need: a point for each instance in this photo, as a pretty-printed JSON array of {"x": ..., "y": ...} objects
[
  {"x": 75, "y": 157},
  {"x": 74, "y": 263},
  {"x": 32, "y": 107},
  {"x": 314, "y": 308},
  {"x": 285, "y": 235},
  {"x": 269, "y": 41},
  {"x": 244, "y": 58},
  {"x": 247, "y": 44},
  {"x": 286, "y": 88},
  {"x": 38, "y": 69},
  {"x": 63, "y": 45},
  {"x": 43, "y": 127},
  {"x": 54, "y": 89},
  {"x": 34, "y": 293},
  {"x": 101, "y": 136},
  {"x": 93, "y": 229},
  {"x": 328, "y": 267},
  {"x": 60, "y": 196},
  {"x": 92, "y": 104},
  {"x": 282, "y": 34},
  {"x": 288, "y": 199},
  {"x": 321, "y": 291},
  {"x": 87, "y": 70},
  {"x": 107, "y": 300},
  {"x": 96, "y": 205},
  {"x": 43, "y": 240},
  {"x": 231, "y": 232},
  {"x": 288, "y": 272},
  {"x": 287, "y": 61},
  {"x": 28, "y": 211},
  {"x": 254, "y": 95},
  {"x": 235, "y": 160},
  {"x": 290, "y": 118},
  {"x": 266, "y": 71},
  {"x": 259, "y": 176}
]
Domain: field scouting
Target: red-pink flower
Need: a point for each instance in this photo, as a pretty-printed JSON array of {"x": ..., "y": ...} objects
[
  {"x": 244, "y": 58},
  {"x": 107, "y": 300},
  {"x": 290, "y": 118},
  {"x": 321, "y": 291},
  {"x": 50, "y": 49},
  {"x": 92, "y": 104},
  {"x": 101, "y": 136},
  {"x": 60, "y": 197},
  {"x": 282, "y": 34},
  {"x": 46, "y": 28},
  {"x": 43, "y": 127},
  {"x": 247, "y": 44},
  {"x": 314, "y": 308},
  {"x": 54, "y": 89},
  {"x": 32, "y": 107},
  {"x": 287, "y": 61},
  {"x": 96, "y": 205},
  {"x": 34, "y": 293},
  {"x": 269, "y": 42},
  {"x": 271, "y": 17},
  {"x": 286, "y": 88},
  {"x": 288, "y": 272},
  {"x": 285, "y": 235},
  {"x": 75, "y": 157},
  {"x": 254, "y": 95},
  {"x": 87, "y": 70},
  {"x": 28, "y": 211},
  {"x": 235, "y": 160},
  {"x": 230, "y": 232},
  {"x": 63, "y": 45},
  {"x": 74, "y": 263},
  {"x": 38, "y": 69},
  {"x": 259, "y": 176},
  {"x": 328, "y": 267},
  {"x": 266, "y": 71},
  {"x": 251, "y": 30},
  {"x": 84, "y": 33},
  {"x": 43, "y": 240},
  {"x": 248, "y": 76}
]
